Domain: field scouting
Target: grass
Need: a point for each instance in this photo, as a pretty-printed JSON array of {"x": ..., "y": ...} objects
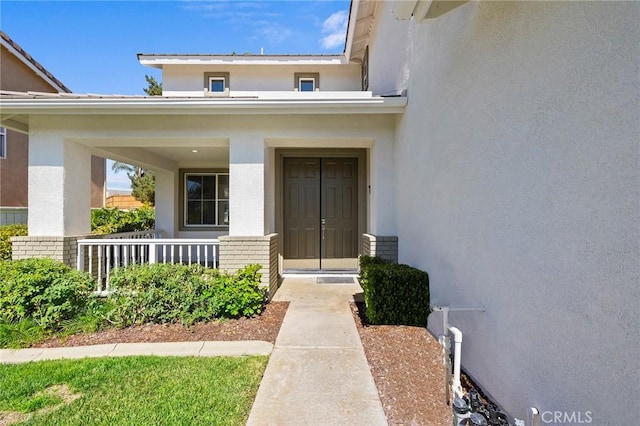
[{"x": 134, "y": 390}]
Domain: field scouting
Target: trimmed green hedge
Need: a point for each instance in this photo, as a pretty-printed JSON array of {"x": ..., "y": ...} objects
[
  {"x": 44, "y": 290},
  {"x": 164, "y": 293},
  {"x": 113, "y": 220},
  {"x": 394, "y": 294},
  {"x": 6, "y": 232}
]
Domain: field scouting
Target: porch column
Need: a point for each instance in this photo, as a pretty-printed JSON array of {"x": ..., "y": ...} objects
[
  {"x": 247, "y": 241},
  {"x": 166, "y": 202},
  {"x": 59, "y": 187},
  {"x": 59, "y": 199},
  {"x": 246, "y": 186}
]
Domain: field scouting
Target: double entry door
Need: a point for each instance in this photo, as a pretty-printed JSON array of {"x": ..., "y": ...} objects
[{"x": 320, "y": 197}]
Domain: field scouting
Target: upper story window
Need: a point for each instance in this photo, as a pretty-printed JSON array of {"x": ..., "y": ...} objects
[
  {"x": 306, "y": 82},
  {"x": 217, "y": 83},
  {"x": 3, "y": 142},
  {"x": 365, "y": 70}
]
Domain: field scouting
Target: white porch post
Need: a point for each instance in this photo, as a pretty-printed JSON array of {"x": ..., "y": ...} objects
[
  {"x": 59, "y": 186},
  {"x": 246, "y": 186},
  {"x": 166, "y": 206}
]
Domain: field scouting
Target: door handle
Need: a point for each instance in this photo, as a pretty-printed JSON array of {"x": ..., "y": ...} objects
[{"x": 324, "y": 226}]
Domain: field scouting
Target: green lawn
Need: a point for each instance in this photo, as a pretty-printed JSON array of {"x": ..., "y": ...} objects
[{"x": 133, "y": 390}]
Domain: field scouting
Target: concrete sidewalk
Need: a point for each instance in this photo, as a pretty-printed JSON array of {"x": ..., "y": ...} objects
[
  {"x": 318, "y": 373},
  {"x": 203, "y": 349}
]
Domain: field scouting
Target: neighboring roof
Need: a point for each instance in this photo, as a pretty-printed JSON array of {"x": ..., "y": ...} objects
[
  {"x": 157, "y": 60},
  {"x": 28, "y": 60}
]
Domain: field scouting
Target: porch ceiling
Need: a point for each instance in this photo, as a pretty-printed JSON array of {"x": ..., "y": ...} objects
[
  {"x": 185, "y": 153},
  {"x": 166, "y": 158}
]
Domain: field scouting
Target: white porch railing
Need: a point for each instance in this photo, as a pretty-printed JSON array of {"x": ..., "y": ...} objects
[
  {"x": 99, "y": 256},
  {"x": 152, "y": 233}
]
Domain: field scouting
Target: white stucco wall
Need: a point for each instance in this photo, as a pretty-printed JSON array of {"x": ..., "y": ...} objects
[
  {"x": 166, "y": 198},
  {"x": 59, "y": 184},
  {"x": 179, "y": 79},
  {"x": 518, "y": 190}
]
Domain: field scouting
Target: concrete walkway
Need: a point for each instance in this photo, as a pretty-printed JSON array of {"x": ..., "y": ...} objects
[
  {"x": 318, "y": 373},
  {"x": 204, "y": 349}
]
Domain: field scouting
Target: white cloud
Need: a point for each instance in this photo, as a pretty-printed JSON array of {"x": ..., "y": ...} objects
[
  {"x": 273, "y": 32},
  {"x": 334, "y": 30}
]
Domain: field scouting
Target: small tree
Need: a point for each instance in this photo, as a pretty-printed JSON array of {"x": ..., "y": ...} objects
[
  {"x": 154, "y": 88},
  {"x": 143, "y": 182}
]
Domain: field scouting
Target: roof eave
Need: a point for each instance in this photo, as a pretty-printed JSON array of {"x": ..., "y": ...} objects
[
  {"x": 160, "y": 60},
  {"x": 164, "y": 106}
]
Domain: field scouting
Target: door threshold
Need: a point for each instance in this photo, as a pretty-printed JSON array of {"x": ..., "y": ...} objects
[{"x": 320, "y": 272}]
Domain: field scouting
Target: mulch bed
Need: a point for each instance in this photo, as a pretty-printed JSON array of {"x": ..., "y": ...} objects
[
  {"x": 408, "y": 369},
  {"x": 264, "y": 327}
]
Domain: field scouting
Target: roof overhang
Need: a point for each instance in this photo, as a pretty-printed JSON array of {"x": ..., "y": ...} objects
[
  {"x": 160, "y": 60},
  {"x": 361, "y": 19},
  {"x": 15, "y": 112},
  {"x": 423, "y": 9}
]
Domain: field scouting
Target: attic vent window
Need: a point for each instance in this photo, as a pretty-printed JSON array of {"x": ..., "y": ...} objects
[
  {"x": 306, "y": 82},
  {"x": 217, "y": 84}
]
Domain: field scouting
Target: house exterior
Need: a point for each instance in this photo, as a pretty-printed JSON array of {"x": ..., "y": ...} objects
[
  {"x": 21, "y": 73},
  {"x": 493, "y": 144}
]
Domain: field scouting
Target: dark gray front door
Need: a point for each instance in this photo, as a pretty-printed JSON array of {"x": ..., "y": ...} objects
[{"x": 320, "y": 199}]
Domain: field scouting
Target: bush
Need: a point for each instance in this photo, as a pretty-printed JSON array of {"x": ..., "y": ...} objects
[
  {"x": 164, "y": 293},
  {"x": 112, "y": 220},
  {"x": 394, "y": 294},
  {"x": 43, "y": 290},
  {"x": 6, "y": 232},
  {"x": 240, "y": 294}
]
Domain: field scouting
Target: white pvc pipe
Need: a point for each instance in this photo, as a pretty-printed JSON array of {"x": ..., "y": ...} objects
[{"x": 456, "y": 386}]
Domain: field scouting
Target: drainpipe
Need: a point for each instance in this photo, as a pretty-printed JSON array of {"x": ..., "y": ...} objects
[{"x": 456, "y": 386}]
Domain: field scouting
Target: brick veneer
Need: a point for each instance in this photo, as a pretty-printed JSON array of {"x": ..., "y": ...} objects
[
  {"x": 238, "y": 252},
  {"x": 385, "y": 247},
  {"x": 64, "y": 249}
]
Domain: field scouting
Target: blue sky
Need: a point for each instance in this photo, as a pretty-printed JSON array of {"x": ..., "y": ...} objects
[{"x": 91, "y": 46}]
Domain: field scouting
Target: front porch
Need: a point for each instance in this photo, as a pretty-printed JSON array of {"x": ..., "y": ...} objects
[{"x": 222, "y": 190}]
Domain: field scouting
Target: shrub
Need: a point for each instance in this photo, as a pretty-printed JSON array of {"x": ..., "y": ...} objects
[
  {"x": 366, "y": 261},
  {"x": 240, "y": 294},
  {"x": 164, "y": 293},
  {"x": 6, "y": 232},
  {"x": 44, "y": 290},
  {"x": 112, "y": 220},
  {"x": 394, "y": 294}
]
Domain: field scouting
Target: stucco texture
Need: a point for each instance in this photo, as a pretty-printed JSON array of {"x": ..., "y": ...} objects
[{"x": 518, "y": 191}]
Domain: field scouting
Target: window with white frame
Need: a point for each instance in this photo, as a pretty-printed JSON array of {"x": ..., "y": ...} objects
[
  {"x": 306, "y": 82},
  {"x": 206, "y": 199},
  {"x": 217, "y": 84},
  {"x": 3, "y": 142}
]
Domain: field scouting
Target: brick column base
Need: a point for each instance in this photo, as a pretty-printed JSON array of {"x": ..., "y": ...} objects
[
  {"x": 384, "y": 247},
  {"x": 64, "y": 249},
  {"x": 238, "y": 252}
]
